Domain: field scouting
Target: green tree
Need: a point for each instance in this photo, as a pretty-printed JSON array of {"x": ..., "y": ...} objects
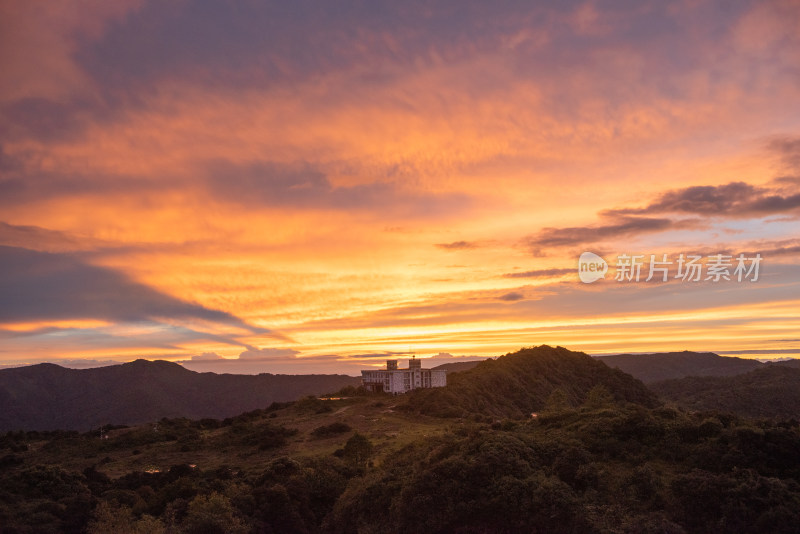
[
  {"x": 110, "y": 517},
  {"x": 598, "y": 397},
  {"x": 358, "y": 449},
  {"x": 557, "y": 402},
  {"x": 212, "y": 514}
]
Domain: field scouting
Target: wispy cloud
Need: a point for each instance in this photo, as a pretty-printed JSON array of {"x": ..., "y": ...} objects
[
  {"x": 43, "y": 239},
  {"x": 788, "y": 149},
  {"x": 736, "y": 199},
  {"x": 540, "y": 273},
  {"x": 302, "y": 186},
  {"x": 621, "y": 227},
  {"x": 457, "y": 245},
  {"x": 694, "y": 207}
]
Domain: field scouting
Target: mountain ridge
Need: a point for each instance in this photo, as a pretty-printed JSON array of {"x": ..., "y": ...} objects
[
  {"x": 519, "y": 383},
  {"x": 48, "y": 397},
  {"x": 668, "y": 365}
]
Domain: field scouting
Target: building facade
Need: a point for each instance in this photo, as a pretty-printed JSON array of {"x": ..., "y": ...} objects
[{"x": 394, "y": 380}]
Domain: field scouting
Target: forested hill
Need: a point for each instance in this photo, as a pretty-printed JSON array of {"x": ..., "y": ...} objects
[
  {"x": 360, "y": 463},
  {"x": 664, "y": 366},
  {"x": 771, "y": 391},
  {"x": 517, "y": 384},
  {"x": 48, "y": 397}
]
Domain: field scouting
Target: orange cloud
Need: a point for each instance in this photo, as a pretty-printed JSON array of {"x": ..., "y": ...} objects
[{"x": 367, "y": 180}]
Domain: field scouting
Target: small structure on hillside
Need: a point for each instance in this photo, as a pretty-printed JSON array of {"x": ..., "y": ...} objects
[{"x": 394, "y": 380}]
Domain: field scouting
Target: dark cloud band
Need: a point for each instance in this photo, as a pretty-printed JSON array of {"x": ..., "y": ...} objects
[{"x": 36, "y": 286}]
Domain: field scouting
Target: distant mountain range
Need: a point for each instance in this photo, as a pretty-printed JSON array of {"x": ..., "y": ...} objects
[
  {"x": 668, "y": 365},
  {"x": 48, "y": 397},
  {"x": 705, "y": 381}
]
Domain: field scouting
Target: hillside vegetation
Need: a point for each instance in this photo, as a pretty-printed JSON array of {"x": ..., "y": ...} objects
[
  {"x": 358, "y": 465},
  {"x": 515, "y": 385},
  {"x": 602, "y": 456},
  {"x": 772, "y": 391},
  {"x": 596, "y": 469}
]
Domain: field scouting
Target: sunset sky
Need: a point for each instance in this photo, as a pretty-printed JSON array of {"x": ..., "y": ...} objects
[{"x": 300, "y": 187}]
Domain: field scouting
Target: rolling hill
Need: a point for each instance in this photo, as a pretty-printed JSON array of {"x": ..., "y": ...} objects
[
  {"x": 667, "y": 365},
  {"x": 517, "y": 384},
  {"x": 362, "y": 463},
  {"x": 48, "y": 397},
  {"x": 770, "y": 391}
]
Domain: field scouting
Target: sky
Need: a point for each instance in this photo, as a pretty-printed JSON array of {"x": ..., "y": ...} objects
[{"x": 316, "y": 187}]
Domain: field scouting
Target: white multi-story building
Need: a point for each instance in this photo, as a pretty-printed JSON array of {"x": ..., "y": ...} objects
[{"x": 394, "y": 380}]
